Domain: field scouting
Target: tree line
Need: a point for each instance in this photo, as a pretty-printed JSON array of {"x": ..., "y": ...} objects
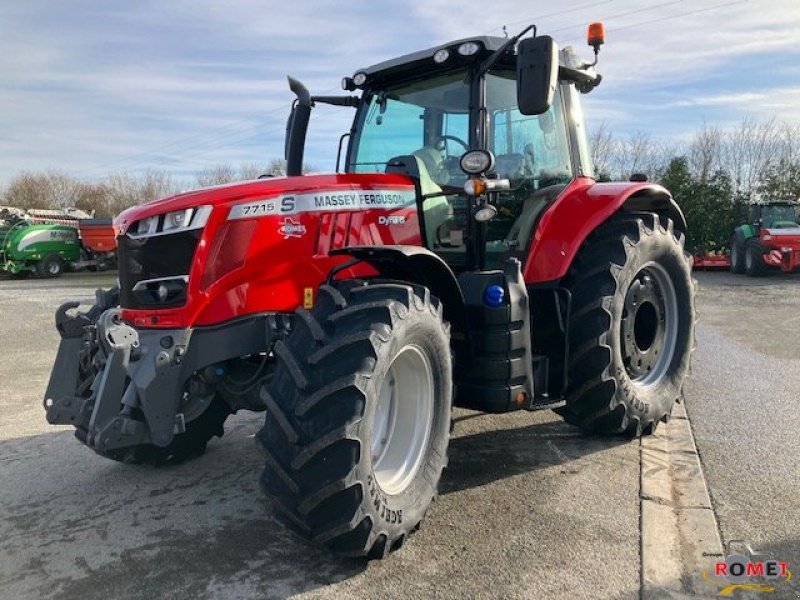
[
  {"x": 713, "y": 175},
  {"x": 111, "y": 195}
]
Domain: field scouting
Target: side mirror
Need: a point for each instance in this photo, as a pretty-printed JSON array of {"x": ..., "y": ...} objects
[{"x": 537, "y": 74}]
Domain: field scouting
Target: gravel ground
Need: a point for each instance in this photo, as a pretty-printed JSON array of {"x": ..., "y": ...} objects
[
  {"x": 530, "y": 507},
  {"x": 742, "y": 399}
]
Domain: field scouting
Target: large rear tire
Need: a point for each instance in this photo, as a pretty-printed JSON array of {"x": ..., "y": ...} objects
[
  {"x": 358, "y": 416},
  {"x": 631, "y": 328}
]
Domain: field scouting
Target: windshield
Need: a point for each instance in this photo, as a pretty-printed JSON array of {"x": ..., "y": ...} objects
[
  {"x": 428, "y": 118},
  {"x": 778, "y": 214}
]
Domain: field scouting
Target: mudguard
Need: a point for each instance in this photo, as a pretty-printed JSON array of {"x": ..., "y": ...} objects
[
  {"x": 419, "y": 265},
  {"x": 578, "y": 211}
]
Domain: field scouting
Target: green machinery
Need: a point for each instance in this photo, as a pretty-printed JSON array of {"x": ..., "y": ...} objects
[{"x": 33, "y": 245}]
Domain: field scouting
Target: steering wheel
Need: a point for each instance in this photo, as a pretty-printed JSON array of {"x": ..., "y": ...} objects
[{"x": 440, "y": 142}]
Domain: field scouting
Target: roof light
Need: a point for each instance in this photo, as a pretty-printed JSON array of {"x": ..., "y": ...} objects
[
  {"x": 441, "y": 55},
  {"x": 596, "y": 34},
  {"x": 469, "y": 48},
  {"x": 360, "y": 78}
]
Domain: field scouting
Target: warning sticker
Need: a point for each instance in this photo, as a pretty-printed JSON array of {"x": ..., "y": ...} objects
[{"x": 323, "y": 201}]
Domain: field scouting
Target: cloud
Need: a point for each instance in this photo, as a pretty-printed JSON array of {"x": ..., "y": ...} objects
[{"x": 93, "y": 87}]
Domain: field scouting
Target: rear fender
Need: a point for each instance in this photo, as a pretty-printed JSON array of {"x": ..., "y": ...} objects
[{"x": 582, "y": 207}]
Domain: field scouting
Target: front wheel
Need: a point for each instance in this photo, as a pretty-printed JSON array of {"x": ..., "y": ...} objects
[
  {"x": 754, "y": 264},
  {"x": 737, "y": 255},
  {"x": 358, "y": 416},
  {"x": 50, "y": 267},
  {"x": 631, "y": 328}
]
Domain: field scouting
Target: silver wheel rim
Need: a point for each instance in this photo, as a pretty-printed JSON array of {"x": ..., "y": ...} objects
[
  {"x": 403, "y": 418},
  {"x": 649, "y": 331},
  {"x": 734, "y": 254},
  {"x": 53, "y": 268}
]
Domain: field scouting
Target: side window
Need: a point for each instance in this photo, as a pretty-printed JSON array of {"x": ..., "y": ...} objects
[
  {"x": 532, "y": 147},
  {"x": 533, "y": 153}
]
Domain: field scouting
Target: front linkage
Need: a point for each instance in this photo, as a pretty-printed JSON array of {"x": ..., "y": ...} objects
[{"x": 151, "y": 395}]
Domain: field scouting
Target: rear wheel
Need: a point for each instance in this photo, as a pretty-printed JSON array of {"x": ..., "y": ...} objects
[
  {"x": 631, "y": 326},
  {"x": 50, "y": 267},
  {"x": 737, "y": 255},
  {"x": 358, "y": 416},
  {"x": 754, "y": 264}
]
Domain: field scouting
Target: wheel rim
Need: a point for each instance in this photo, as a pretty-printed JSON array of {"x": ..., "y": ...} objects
[
  {"x": 649, "y": 329},
  {"x": 748, "y": 260},
  {"x": 53, "y": 268},
  {"x": 402, "y": 422},
  {"x": 734, "y": 255}
]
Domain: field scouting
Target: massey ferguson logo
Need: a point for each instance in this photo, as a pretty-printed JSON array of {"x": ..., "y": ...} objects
[
  {"x": 392, "y": 220},
  {"x": 290, "y": 229}
]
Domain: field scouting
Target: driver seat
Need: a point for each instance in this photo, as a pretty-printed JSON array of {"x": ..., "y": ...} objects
[{"x": 435, "y": 208}]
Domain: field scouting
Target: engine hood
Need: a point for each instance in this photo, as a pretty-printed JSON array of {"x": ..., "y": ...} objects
[{"x": 228, "y": 195}]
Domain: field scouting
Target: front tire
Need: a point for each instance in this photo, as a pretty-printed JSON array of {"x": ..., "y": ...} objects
[
  {"x": 358, "y": 416},
  {"x": 754, "y": 264},
  {"x": 631, "y": 328},
  {"x": 737, "y": 255}
]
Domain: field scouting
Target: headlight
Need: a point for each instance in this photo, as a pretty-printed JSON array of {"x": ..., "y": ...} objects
[
  {"x": 441, "y": 55},
  {"x": 162, "y": 290},
  {"x": 175, "y": 220},
  {"x": 360, "y": 78},
  {"x": 477, "y": 161},
  {"x": 469, "y": 48},
  {"x": 172, "y": 222}
]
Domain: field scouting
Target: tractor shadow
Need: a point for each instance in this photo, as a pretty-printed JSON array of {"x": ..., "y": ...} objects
[{"x": 477, "y": 458}]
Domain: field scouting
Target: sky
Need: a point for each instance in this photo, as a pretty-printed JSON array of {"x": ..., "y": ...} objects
[{"x": 94, "y": 87}]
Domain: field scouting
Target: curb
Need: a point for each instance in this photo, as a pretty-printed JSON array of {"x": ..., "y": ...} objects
[{"x": 679, "y": 533}]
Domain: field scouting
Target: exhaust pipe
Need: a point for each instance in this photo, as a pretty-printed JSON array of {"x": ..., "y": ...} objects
[{"x": 296, "y": 128}]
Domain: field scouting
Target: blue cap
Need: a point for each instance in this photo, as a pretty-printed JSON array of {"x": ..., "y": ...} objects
[{"x": 494, "y": 296}]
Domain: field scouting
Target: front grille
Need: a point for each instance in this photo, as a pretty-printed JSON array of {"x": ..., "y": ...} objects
[{"x": 156, "y": 257}]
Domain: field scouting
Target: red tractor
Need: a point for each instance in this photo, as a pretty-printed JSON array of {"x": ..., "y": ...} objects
[
  {"x": 465, "y": 256},
  {"x": 770, "y": 241}
]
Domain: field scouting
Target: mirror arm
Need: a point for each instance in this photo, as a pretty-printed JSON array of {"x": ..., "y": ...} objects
[{"x": 495, "y": 56}]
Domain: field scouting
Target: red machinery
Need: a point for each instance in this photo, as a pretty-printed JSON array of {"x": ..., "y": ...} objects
[{"x": 465, "y": 257}]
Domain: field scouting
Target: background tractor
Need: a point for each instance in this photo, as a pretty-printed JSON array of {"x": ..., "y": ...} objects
[
  {"x": 770, "y": 240},
  {"x": 465, "y": 256}
]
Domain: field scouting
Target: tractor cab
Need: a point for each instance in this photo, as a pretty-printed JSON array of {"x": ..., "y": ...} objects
[
  {"x": 774, "y": 215},
  {"x": 516, "y": 104}
]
